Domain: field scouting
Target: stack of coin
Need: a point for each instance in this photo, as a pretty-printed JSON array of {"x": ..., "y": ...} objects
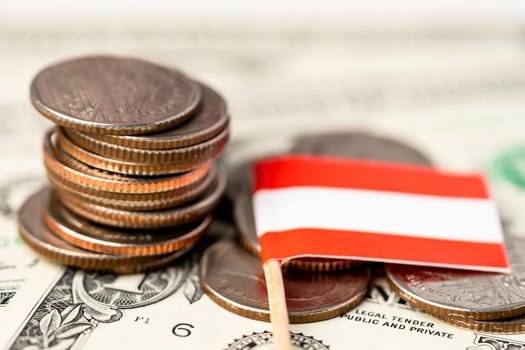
[
  {"x": 481, "y": 301},
  {"x": 131, "y": 161},
  {"x": 316, "y": 289}
]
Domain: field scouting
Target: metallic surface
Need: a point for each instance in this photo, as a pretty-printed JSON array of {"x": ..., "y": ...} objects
[
  {"x": 135, "y": 201},
  {"x": 477, "y": 295},
  {"x": 101, "y": 239},
  {"x": 210, "y": 118},
  {"x": 128, "y": 161},
  {"x": 98, "y": 180},
  {"x": 359, "y": 145},
  {"x": 114, "y": 95},
  {"x": 234, "y": 279},
  {"x": 505, "y": 326},
  {"x": 148, "y": 219},
  {"x": 36, "y": 235}
]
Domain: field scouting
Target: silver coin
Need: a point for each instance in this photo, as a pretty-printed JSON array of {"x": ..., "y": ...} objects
[
  {"x": 348, "y": 145},
  {"x": 360, "y": 145},
  {"x": 240, "y": 177},
  {"x": 460, "y": 293},
  {"x": 505, "y": 326},
  {"x": 245, "y": 222},
  {"x": 234, "y": 279},
  {"x": 114, "y": 95}
]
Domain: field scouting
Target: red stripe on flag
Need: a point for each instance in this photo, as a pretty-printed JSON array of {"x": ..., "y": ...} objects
[
  {"x": 376, "y": 246},
  {"x": 291, "y": 171}
]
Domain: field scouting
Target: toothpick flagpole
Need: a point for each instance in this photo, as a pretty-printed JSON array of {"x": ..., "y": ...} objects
[{"x": 277, "y": 305}]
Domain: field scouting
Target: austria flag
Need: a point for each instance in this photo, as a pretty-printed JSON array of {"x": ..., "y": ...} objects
[{"x": 353, "y": 209}]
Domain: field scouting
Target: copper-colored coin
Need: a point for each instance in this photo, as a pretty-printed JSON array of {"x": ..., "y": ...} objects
[
  {"x": 148, "y": 219},
  {"x": 101, "y": 239},
  {"x": 115, "y": 166},
  {"x": 234, "y": 279},
  {"x": 210, "y": 119},
  {"x": 98, "y": 180},
  {"x": 55, "y": 153},
  {"x": 114, "y": 95},
  {"x": 139, "y": 162},
  {"x": 461, "y": 293},
  {"x": 127, "y": 201},
  {"x": 75, "y": 164},
  {"x": 37, "y": 235},
  {"x": 137, "y": 201}
]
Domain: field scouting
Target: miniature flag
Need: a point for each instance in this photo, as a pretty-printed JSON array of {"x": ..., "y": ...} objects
[{"x": 364, "y": 210}]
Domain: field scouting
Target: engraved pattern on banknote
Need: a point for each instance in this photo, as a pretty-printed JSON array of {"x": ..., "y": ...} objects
[
  {"x": 5, "y": 297},
  {"x": 380, "y": 293},
  {"x": 8, "y": 289},
  {"x": 264, "y": 340},
  {"x": 487, "y": 342},
  {"x": 79, "y": 302}
]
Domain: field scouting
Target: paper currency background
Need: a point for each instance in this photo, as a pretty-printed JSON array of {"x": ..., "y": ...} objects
[{"x": 454, "y": 87}]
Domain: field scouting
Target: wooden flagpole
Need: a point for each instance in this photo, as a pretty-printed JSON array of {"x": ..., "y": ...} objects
[{"x": 277, "y": 305}]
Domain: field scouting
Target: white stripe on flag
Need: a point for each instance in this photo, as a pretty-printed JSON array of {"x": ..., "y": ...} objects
[{"x": 375, "y": 211}]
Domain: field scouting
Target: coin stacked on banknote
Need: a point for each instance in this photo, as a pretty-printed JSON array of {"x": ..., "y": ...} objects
[
  {"x": 131, "y": 162},
  {"x": 482, "y": 301},
  {"x": 231, "y": 272}
]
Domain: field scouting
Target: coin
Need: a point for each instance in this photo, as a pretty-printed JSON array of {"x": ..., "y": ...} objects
[
  {"x": 345, "y": 144},
  {"x": 240, "y": 178},
  {"x": 359, "y": 145},
  {"x": 148, "y": 219},
  {"x": 477, "y": 295},
  {"x": 135, "y": 201},
  {"x": 139, "y": 162},
  {"x": 234, "y": 279},
  {"x": 89, "y": 236},
  {"x": 506, "y": 326},
  {"x": 210, "y": 118},
  {"x": 36, "y": 235},
  {"x": 114, "y": 95},
  {"x": 98, "y": 180},
  {"x": 193, "y": 153}
]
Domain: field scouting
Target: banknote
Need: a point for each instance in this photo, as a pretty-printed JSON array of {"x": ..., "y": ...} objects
[
  {"x": 454, "y": 90},
  {"x": 167, "y": 309}
]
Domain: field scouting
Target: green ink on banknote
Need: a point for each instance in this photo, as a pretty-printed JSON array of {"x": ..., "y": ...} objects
[
  {"x": 4, "y": 242},
  {"x": 19, "y": 241},
  {"x": 510, "y": 166}
]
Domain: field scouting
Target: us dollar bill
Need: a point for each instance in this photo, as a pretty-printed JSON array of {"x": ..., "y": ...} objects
[
  {"x": 167, "y": 309},
  {"x": 456, "y": 91}
]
